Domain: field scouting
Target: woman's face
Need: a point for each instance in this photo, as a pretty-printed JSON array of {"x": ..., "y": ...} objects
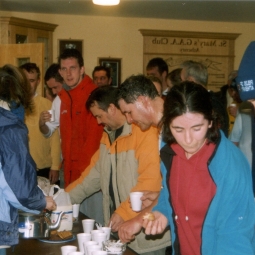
[{"x": 189, "y": 131}]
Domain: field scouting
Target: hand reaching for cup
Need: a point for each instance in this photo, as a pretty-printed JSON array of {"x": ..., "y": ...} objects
[{"x": 50, "y": 203}]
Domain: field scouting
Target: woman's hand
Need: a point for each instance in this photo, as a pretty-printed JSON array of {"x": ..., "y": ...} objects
[{"x": 156, "y": 226}]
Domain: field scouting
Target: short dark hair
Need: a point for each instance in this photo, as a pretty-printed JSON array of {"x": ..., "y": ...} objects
[
  {"x": 135, "y": 86},
  {"x": 197, "y": 70},
  {"x": 160, "y": 63},
  {"x": 31, "y": 68},
  {"x": 102, "y": 68},
  {"x": 53, "y": 72},
  {"x": 188, "y": 97},
  {"x": 155, "y": 79},
  {"x": 175, "y": 76},
  {"x": 71, "y": 53},
  {"x": 103, "y": 96}
]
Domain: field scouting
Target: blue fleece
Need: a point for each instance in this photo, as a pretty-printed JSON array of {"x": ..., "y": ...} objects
[{"x": 230, "y": 220}]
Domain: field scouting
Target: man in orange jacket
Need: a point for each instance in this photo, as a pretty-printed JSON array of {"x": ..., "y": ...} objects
[{"x": 80, "y": 133}]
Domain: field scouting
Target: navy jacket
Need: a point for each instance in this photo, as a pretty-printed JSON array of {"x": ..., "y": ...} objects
[{"x": 18, "y": 180}]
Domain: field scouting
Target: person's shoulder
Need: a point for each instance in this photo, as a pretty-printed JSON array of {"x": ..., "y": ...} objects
[
  {"x": 151, "y": 132},
  {"x": 87, "y": 81},
  {"x": 43, "y": 103}
]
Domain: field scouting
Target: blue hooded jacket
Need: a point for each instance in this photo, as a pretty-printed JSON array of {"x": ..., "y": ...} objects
[
  {"x": 246, "y": 88},
  {"x": 229, "y": 226},
  {"x": 18, "y": 180}
]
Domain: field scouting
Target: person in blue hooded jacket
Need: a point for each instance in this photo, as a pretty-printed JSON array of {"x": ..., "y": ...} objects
[
  {"x": 246, "y": 87},
  {"x": 18, "y": 185},
  {"x": 206, "y": 195}
]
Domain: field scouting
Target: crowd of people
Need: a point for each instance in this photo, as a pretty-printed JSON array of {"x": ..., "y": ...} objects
[{"x": 163, "y": 133}]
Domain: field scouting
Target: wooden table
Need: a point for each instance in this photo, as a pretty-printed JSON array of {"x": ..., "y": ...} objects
[{"x": 36, "y": 247}]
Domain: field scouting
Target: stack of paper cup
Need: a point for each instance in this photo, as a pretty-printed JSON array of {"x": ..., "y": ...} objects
[
  {"x": 107, "y": 230},
  {"x": 99, "y": 252},
  {"x": 94, "y": 232},
  {"x": 94, "y": 247},
  {"x": 88, "y": 225},
  {"x": 82, "y": 238},
  {"x": 99, "y": 238},
  {"x": 86, "y": 244},
  {"x": 67, "y": 249}
]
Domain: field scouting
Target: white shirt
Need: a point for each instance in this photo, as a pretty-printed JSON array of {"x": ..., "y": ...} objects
[{"x": 53, "y": 125}]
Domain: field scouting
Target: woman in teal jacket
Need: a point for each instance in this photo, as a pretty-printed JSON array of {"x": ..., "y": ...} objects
[{"x": 228, "y": 219}]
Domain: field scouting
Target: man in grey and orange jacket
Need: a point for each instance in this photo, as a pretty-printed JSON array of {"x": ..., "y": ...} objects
[{"x": 127, "y": 160}]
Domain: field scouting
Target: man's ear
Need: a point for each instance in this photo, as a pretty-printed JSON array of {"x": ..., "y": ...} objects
[
  {"x": 82, "y": 71},
  {"x": 143, "y": 100},
  {"x": 59, "y": 71},
  {"x": 112, "y": 109},
  {"x": 164, "y": 75}
]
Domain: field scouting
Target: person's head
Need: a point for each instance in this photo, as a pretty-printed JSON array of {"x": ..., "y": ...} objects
[
  {"x": 102, "y": 103},
  {"x": 157, "y": 67},
  {"x": 188, "y": 117},
  {"x": 33, "y": 74},
  {"x": 194, "y": 71},
  {"x": 246, "y": 74},
  {"x": 71, "y": 67},
  {"x": 48, "y": 94},
  {"x": 135, "y": 96},
  {"x": 157, "y": 83},
  {"x": 174, "y": 78},
  {"x": 14, "y": 88},
  {"x": 233, "y": 90},
  {"x": 102, "y": 76},
  {"x": 53, "y": 79}
]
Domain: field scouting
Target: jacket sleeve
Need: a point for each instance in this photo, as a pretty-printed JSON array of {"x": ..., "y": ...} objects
[
  {"x": 149, "y": 177},
  {"x": 236, "y": 130},
  {"x": 87, "y": 184},
  {"x": 55, "y": 150},
  {"x": 163, "y": 205},
  {"x": 229, "y": 224},
  {"x": 19, "y": 183},
  {"x": 53, "y": 125},
  {"x": 93, "y": 137}
]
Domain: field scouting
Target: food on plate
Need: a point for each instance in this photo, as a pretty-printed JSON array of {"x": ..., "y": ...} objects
[{"x": 60, "y": 235}]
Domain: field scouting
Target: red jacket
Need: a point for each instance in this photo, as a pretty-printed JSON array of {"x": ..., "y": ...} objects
[{"x": 80, "y": 133}]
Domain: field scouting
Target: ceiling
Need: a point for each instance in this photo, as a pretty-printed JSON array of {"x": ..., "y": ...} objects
[{"x": 232, "y": 11}]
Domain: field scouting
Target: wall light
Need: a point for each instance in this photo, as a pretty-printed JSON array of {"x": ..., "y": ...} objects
[{"x": 106, "y": 2}]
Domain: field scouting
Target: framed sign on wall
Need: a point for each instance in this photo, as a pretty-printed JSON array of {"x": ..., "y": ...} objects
[{"x": 215, "y": 50}]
